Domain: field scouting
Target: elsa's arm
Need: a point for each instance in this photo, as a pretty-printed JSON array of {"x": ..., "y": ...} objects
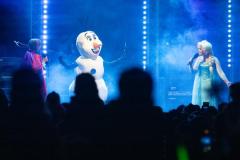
[
  {"x": 220, "y": 72},
  {"x": 197, "y": 63}
]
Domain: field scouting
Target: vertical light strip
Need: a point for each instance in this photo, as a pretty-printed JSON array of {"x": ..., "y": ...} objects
[
  {"x": 44, "y": 32},
  {"x": 144, "y": 34},
  {"x": 229, "y": 30},
  {"x": 44, "y": 26}
]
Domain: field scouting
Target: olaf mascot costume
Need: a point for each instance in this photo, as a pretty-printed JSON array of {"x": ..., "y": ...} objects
[{"x": 89, "y": 47}]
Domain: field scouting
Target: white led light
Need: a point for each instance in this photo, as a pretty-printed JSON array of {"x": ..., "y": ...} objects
[
  {"x": 45, "y": 36},
  {"x": 45, "y": 16}
]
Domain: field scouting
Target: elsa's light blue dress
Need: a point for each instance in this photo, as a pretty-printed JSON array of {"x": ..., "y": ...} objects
[{"x": 203, "y": 87}]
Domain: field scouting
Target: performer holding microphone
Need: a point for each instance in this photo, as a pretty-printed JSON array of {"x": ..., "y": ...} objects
[{"x": 208, "y": 73}]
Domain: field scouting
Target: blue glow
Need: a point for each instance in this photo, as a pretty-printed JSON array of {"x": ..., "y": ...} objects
[
  {"x": 206, "y": 140},
  {"x": 229, "y": 45},
  {"x": 229, "y": 55},
  {"x": 144, "y": 22},
  {"x": 144, "y": 2},
  {"x": 144, "y": 7},
  {"x": 229, "y": 65},
  {"x": 144, "y": 37},
  {"x": 229, "y": 60},
  {"x": 229, "y": 50}
]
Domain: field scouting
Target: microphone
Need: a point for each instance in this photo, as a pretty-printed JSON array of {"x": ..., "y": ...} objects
[
  {"x": 195, "y": 56},
  {"x": 191, "y": 59},
  {"x": 16, "y": 42},
  {"x": 20, "y": 44}
]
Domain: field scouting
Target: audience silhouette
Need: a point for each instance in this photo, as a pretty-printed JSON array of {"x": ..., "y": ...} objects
[{"x": 130, "y": 126}]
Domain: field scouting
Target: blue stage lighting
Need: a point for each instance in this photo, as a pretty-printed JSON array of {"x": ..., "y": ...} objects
[
  {"x": 44, "y": 27},
  {"x": 229, "y": 30},
  {"x": 144, "y": 36}
]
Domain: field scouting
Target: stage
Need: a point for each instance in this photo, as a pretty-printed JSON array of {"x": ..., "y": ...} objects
[{"x": 158, "y": 36}]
